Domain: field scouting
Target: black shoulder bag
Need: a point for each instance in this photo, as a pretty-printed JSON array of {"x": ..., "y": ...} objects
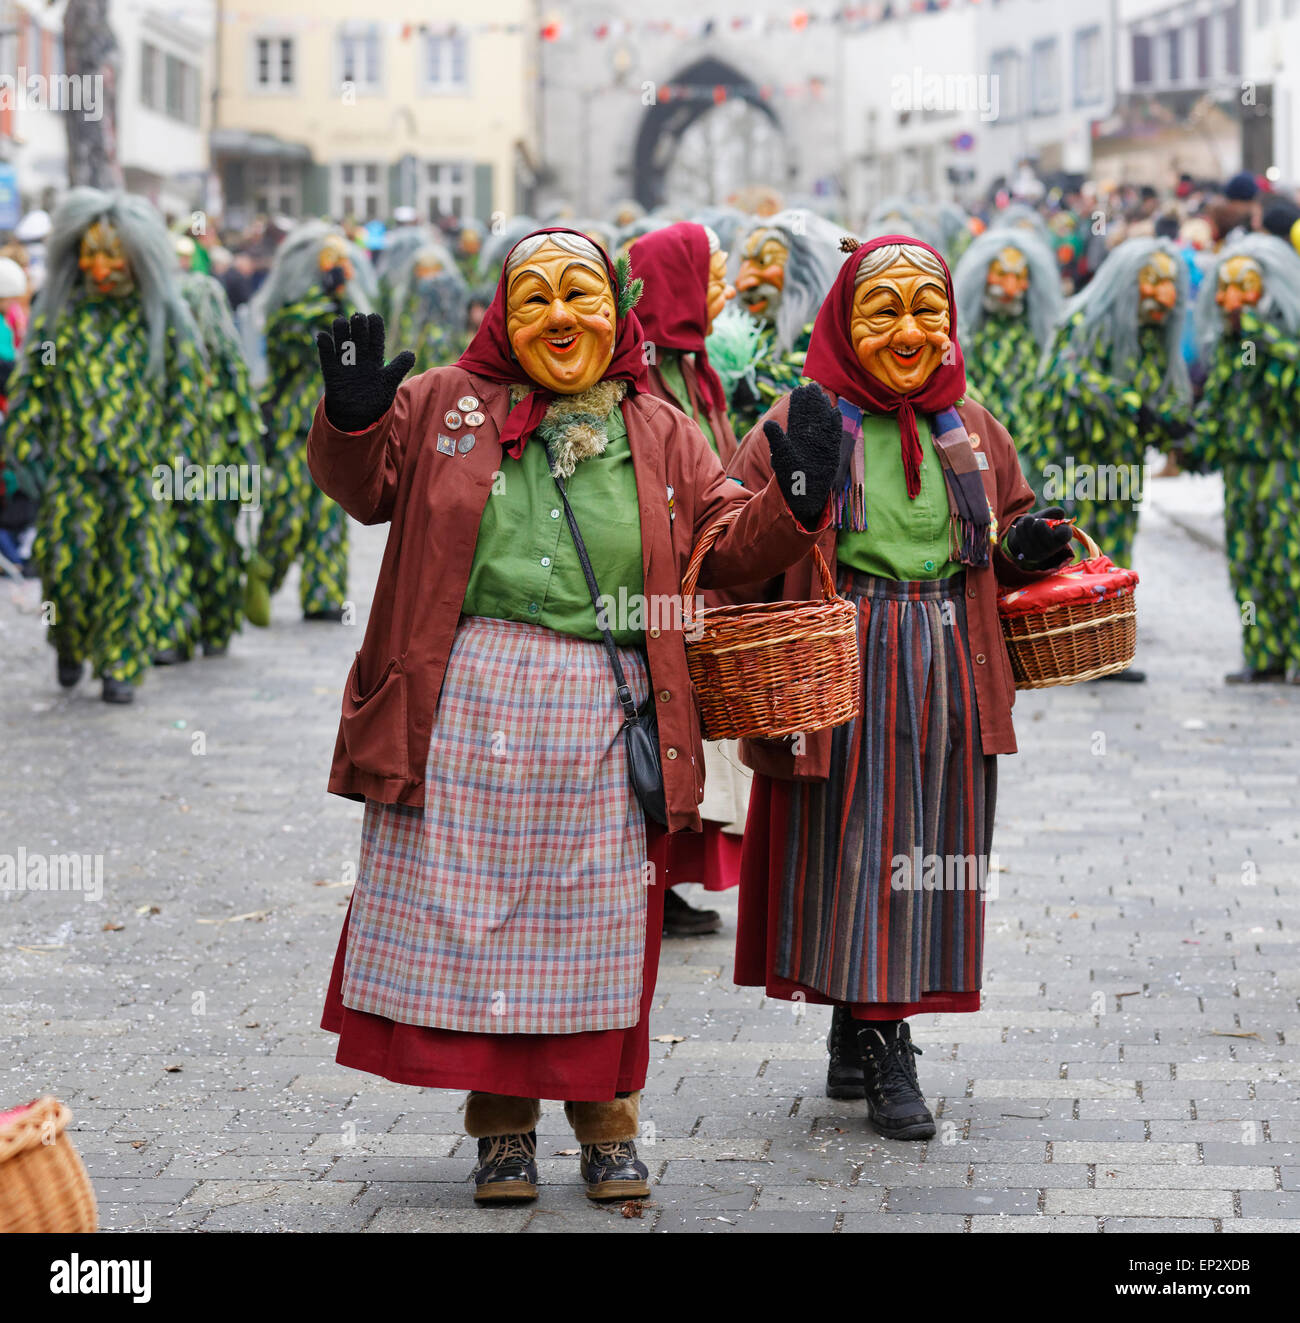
[{"x": 640, "y": 729}]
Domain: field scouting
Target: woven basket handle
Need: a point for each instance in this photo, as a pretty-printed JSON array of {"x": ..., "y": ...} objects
[
  {"x": 1089, "y": 546},
  {"x": 712, "y": 534}
]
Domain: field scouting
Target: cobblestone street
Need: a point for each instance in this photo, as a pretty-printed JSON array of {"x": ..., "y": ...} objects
[{"x": 1135, "y": 1065}]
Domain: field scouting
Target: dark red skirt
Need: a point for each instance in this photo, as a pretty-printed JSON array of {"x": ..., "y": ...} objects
[
  {"x": 761, "y": 870},
  {"x": 584, "y": 1067},
  {"x": 711, "y": 857}
]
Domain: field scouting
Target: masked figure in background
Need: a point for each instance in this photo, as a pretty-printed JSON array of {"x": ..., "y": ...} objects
[
  {"x": 469, "y": 250},
  {"x": 503, "y": 936},
  {"x": 1248, "y": 426},
  {"x": 234, "y": 423},
  {"x": 1009, "y": 299},
  {"x": 840, "y": 903},
  {"x": 317, "y": 275},
  {"x": 427, "y": 306},
  {"x": 786, "y": 266},
  {"x": 1112, "y": 383},
  {"x": 685, "y": 273},
  {"x": 109, "y": 390},
  {"x": 899, "y": 216}
]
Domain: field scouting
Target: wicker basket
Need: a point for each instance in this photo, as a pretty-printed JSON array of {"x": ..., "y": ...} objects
[
  {"x": 43, "y": 1186},
  {"x": 1094, "y": 634},
  {"x": 764, "y": 670}
]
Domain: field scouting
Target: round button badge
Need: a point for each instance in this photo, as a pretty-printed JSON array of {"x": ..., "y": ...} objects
[
  {"x": 466, "y": 402},
  {"x": 452, "y": 418},
  {"x": 474, "y": 419}
]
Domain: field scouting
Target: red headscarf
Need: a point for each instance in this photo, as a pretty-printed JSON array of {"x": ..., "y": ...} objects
[
  {"x": 489, "y": 354},
  {"x": 832, "y": 361},
  {"x": 674, "y": 306}
]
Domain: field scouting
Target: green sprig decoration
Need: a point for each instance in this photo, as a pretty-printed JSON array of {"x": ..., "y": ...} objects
[{"x": 628, "y": 290}]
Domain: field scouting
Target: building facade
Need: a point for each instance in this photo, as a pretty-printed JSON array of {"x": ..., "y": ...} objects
[
  {"x": 162, "y": 99},
  {"x": 321, "y": 110}
]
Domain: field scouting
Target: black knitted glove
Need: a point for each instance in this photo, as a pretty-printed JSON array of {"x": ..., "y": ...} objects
[
  {"x": 1033, "y": 543},
  {"x": 359, "y": 389},
  {"x": 806, "y": 456}
]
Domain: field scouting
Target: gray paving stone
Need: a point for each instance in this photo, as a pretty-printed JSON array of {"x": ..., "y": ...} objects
[{"x": 1176, "y": 1120}]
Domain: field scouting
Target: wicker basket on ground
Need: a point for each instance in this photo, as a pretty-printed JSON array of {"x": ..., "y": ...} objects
[
  {"x": 1076, "y": 625},
  {"x": 764, "y": 670},
  {"x": 43, "y": 1186}
]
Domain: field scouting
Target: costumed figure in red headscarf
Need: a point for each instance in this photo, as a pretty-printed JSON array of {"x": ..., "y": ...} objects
[
  {"x": 684, "y": 268},
  {"x": 866, "y": 848},
  {"x": 503, "y": 936}
]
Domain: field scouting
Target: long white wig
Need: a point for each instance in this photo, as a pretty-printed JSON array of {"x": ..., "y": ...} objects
[
  {"x": 450, "y": 294},
  {"x": 296, "y": 270},
  {"x": 814, "y": 261},
  {"x": 1280, "y": 265},
  {"x": 897, "y": 215},
  {"x": 1109, "y": 304},
  {"x": 149, "y": 249},
  {"x": 970, "y": 276},
  {"x": 206, "y": 299}
]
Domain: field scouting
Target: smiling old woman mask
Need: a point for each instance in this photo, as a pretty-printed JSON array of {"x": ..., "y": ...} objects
[
  {"x": 900, "y": 318},
  {"x": 560, "y": 312}
]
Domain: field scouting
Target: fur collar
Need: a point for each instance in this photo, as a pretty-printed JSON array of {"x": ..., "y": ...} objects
[{"x": 573, "y": 427}]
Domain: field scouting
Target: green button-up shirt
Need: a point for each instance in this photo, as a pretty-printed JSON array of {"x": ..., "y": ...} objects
[
  {"x": 526, "y": 567},
  {"x": 670, "y": 365},
  {"x": 904, "y": 538}
]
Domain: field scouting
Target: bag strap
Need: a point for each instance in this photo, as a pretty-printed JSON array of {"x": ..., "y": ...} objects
[{"x": 624, "y": 693}]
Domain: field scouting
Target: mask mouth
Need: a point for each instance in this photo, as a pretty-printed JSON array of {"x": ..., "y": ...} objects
[
  {"x": 563, "y": 344},
  {"x": 907, "y": 355}
]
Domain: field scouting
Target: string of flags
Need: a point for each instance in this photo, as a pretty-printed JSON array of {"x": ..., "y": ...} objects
[{"x": 556, "y": 27}]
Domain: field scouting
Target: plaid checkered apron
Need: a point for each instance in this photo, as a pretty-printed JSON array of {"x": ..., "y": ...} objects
[{"x": 513, "y": 902}]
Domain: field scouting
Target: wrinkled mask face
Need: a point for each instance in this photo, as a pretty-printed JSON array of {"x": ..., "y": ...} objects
[
  {"x": 1241, "y": 284},
  {"x": 103, "y": 261},
  {"x": 900, "y": 326},
  {"x": 1007, "y": 283},
  {"x": 761, "y": 280},
  {"x": 428, "y": 269},
  {"x": 334, "y": 253},
  {"x": 1157, "y": 290},
  {"x": 718, "y": 291},
  {"x": 561, "y": 319}
]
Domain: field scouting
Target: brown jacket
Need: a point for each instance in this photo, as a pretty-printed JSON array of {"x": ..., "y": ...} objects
[
  {"x": 718, "y": 421},
  {"x": 1009, "y": 495},
  {"x": 395, "y": 472}
]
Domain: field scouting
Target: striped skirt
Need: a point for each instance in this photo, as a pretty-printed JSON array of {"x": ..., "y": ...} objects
[
  {"x": 884, "y": 866},
  {"x": 514, "y": 901}
]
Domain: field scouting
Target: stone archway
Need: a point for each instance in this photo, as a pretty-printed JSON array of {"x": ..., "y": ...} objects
[{"x": 666, "y": 123}]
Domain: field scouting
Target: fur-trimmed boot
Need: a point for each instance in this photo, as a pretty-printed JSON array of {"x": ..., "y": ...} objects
[
  {"x": 506, "y": 1130},
  {"x": 607, "y": 1132}
]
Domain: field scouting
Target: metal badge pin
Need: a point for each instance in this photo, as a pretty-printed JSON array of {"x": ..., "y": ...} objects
[
  {"x": 474, "y": 418},
  {"x": 446, "y": 445},
  {"x": 452, "y": 418},
  {"x": 466, "y": 443},
  {"x": 466, "y": 402}
]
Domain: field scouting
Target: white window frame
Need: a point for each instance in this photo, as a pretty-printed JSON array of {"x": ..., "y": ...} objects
[
  {"x": 371, "y": 82},
  {"x": 1007, "y": 65},
  {"x": 1045, "y": 77},
  {"x": 433, "y": 191},
  {"x": 1085, "y": 93},
  {"x": 354, "y": 185},
  {"x": 445, "y": 84},
  {"x": 275, "y": 64},
  {"x": 283, "y": 196}
]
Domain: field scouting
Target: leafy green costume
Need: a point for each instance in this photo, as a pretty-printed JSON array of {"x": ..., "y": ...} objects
[
  {"x": 87, "y": 427},
  {"x": 1248, "y": 426},
  {"x": 433, "y": 343},
  {"x": 1093, "y": 422},
  {"x": 233, "y": 428},
  {"x": 774, "y": 374},
  {"x": 300, "y": 522},
  {"x": 1001, "y": 362}
]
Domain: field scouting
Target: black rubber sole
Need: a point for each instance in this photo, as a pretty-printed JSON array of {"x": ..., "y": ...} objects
[{"x": 917, "y": 1130}]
